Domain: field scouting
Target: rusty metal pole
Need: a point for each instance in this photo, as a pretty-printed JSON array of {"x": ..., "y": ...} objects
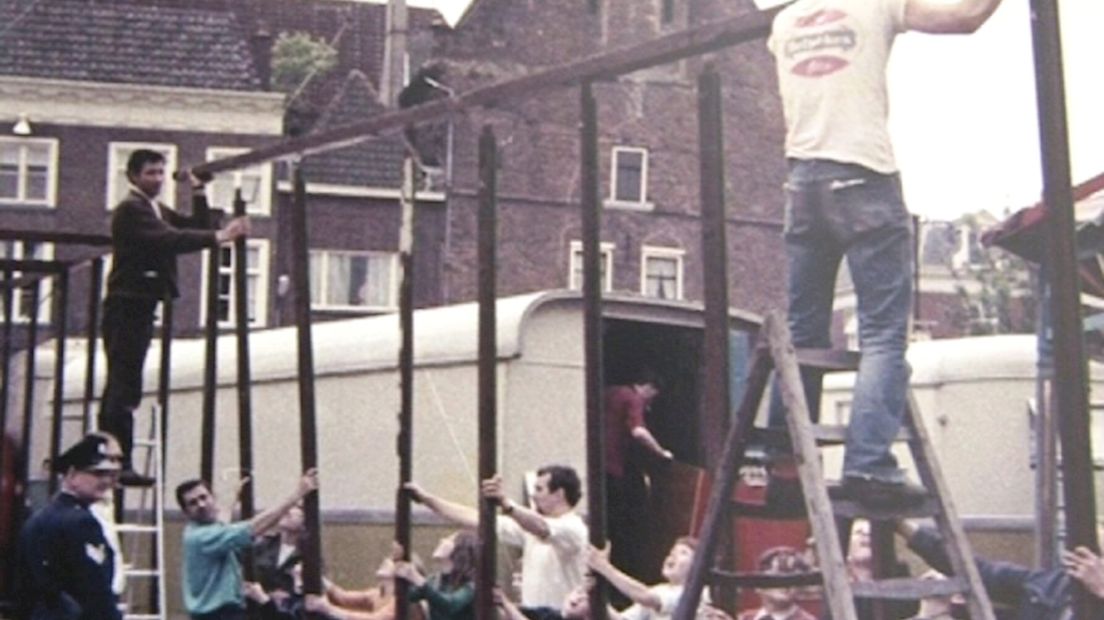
[
  {"x": 715, "y": 396},
  {"x": 406, "y": 378},
  {"x": 5, "y": 353},
  {"x": 1071, "y": 381},
  {"x": 308, "y": 437},
  {"x": 61, "y": 320},
  {"x": 488, "y": 354},
  {"x": 245, "y": 377},
  {"x": 95, "y": 283},
  {"x": 210, "y": 366},
  {"x": 591, "y": 218},
  {"x": 29, "y": 385}
]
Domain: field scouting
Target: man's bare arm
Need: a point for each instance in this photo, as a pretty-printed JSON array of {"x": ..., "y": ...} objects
[
  {"x": 645, "y": 438},
  {"x": 265, "y": 520},
  {"x": 459, "y": 514},
  {"x": 530, "y": 520},
  {"x": 943, "y": 17}
]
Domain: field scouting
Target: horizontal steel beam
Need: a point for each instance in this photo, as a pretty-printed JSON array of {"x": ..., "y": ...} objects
[
  {"x": 43, "y": 236},
  {"x": 33, "y": 266},
  {"x": 602, "y": 66}
]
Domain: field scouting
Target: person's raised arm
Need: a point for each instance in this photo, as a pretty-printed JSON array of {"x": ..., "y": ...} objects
[
  {"x": 267, "y": 519},
  {"x": 459, "y": 514},
  {"x": 598, "y": 561},
  {"x": 943, "y": 17},
  {"x": 530, "y": 520}
]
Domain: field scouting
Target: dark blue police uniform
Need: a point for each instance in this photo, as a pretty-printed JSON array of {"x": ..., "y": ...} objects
[{"x": 66, "y": 564}]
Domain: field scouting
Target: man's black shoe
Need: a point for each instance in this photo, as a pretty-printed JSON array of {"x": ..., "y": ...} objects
[
  {"x": 879, "y": 494},
  {"x": 130, "y": 478}
]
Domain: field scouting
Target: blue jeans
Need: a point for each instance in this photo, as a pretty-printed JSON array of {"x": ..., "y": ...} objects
[{"x": 833, "y": 211}]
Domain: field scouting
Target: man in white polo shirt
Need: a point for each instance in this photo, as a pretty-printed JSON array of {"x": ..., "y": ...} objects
[{"x": 553, "y": 538}]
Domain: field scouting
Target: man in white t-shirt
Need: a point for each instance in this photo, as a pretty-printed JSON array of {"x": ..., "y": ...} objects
[
  {"x": 844, "y": 200},
  {"x": 552, "y": 538},
  {"x": 657, "y": 602}
]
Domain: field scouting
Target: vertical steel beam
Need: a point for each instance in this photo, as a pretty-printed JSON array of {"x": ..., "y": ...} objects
[
  {"x": 488, "y": 358},
  {"x": 95, "y": 283},
  {"x": 721, "y": 456},
  {"x": 29, "y": 384},
  {"x": 715, "y": 397},
  {"x": 245, "y": 376},
  {"x": 1071, "y": 381},
  {"x": 591, "y": 218},
  {"x": 5, "y": 352},
  {"x": 61, "y": 320},
  {"x": 406, "y": 377},
  {"x": 210, "y": 366},
  {"x": 308, "y": 437}
]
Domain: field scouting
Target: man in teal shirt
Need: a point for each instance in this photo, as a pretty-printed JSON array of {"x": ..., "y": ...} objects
[{"x": 212, "y": 573}]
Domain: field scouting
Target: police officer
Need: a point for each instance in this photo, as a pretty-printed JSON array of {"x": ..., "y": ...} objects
[{"x": 65, "y": 562}]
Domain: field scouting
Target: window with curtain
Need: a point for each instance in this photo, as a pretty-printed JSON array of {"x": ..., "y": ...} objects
[{"x": 346, "y": 280}]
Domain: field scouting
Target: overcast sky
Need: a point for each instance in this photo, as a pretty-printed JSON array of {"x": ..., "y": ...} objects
[{"x": 963, "y": 108}]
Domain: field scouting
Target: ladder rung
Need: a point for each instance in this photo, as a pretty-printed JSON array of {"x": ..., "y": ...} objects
[
  {"x": 828, "y": 359},
  {"x": 909, "y": 589},
  {"x": 767, "y": 511},
  {"x": 836, "y": 434},
  {"x": 135, "y": 528},
  {"x": 143, "y": 572},
  {"x": 763, "y": 580},
  {"x": 146, "y": 443},
  {"x": 854, "y": 510}
]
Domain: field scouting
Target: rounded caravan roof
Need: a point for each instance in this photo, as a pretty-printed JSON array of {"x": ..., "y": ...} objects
[
  {"x": 960, "y": 360},
  {"x": 442, "y": 335}
]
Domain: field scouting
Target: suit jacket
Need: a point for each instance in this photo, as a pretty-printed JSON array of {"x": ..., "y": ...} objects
[
  {"x": 270, "y": 572},
  {"x": 65, "y": 565},
  {"x": 145, "y": 246}
]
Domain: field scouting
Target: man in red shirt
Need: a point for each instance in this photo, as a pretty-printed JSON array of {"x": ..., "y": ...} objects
[{"x": 626, "y": 493}]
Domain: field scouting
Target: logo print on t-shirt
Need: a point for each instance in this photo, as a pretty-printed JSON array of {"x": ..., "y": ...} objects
[{"x": 821, "y": 44}]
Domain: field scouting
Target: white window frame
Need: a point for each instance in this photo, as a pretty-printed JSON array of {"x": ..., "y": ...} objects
[
  {"x": 262, "y": 202},
  {"x": 117, "y": 161},
  {"x": 261, "y": 272},
  {"x": 45, "y": 288},
  {"x": 392, "y": 293},
  {"x": 575, "y": 263},
  {"x": 653, "y": 251},
  {"x": 52, "y": 173},
  {"x": 643, "y": 204}
]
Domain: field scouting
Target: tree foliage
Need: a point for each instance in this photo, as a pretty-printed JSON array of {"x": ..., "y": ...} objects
[
  {"x": 995, "y": 291},
  {"x": 296, "y": 57}
]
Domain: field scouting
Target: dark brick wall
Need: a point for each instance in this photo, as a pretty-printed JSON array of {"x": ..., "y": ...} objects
[
  {"x": 83, "y": 157},
  {"x": 655, "y": 109}
]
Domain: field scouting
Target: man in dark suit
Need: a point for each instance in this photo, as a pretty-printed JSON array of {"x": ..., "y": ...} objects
[
  {"x": 65, "y": 563},
  {"x": 146, "y": 236}
]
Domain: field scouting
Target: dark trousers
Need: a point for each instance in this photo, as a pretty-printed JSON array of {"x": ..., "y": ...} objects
[
  {"x": 127, "y": 330},
  {"x": 227, "y": 612}
]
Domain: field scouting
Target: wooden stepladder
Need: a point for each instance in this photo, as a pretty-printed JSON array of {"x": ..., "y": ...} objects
[{"x": 776, "y": 352}]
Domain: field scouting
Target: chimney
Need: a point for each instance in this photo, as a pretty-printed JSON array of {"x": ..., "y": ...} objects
[
  {"x": 261, "y": 46},
  {"x": 393, "y": 76}
]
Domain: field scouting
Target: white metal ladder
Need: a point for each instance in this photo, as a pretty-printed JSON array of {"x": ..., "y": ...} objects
[{"x": 149, "y": 515}]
